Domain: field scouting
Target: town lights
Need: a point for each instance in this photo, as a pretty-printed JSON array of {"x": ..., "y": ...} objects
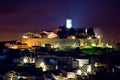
[
  {"x": 79, "y": 72},
  {"x": 73, "y": 37},
  {"x": 89, "y": 38},
  {"x": 43, "y": 66},
  {"x": 25, "y": 60},
  {"x": 24, "y": 36},
  {"x": 89, "y": 68},
  {"x": 98, "y": 37}
]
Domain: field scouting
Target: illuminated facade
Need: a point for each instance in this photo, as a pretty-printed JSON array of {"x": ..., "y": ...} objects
[
  {"x": 69, "y": 23},
  {"x": 63, "y": 37},
  {"x": 56, "y": 43},
  {"x": 62, "y": 43},
  {"x": 31, "y": 35}
]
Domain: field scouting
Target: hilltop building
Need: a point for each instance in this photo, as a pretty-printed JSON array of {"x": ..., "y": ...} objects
[{"x": 62, "y": 37}]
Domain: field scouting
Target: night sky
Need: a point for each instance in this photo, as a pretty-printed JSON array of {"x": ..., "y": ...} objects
[{"x": 20, "y": 16}]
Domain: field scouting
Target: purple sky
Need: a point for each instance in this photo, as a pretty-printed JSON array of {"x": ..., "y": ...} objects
[{"x": 20, "y": 16}]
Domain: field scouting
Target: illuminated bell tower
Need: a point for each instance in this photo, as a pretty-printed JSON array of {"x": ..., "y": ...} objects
[{"x": 68, "y": 23}]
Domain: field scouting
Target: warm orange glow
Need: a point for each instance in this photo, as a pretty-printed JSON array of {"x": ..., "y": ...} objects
[{"x": 89, "y": 38}]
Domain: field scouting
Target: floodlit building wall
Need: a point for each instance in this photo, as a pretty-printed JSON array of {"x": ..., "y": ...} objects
[
  {"x": 92, "y": 42},
  {"x": 61, "y": 43},
  {"x": 54, "y": 42}
]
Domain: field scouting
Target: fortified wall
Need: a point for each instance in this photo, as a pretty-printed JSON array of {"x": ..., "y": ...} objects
[{"x": 57, "y": 43}]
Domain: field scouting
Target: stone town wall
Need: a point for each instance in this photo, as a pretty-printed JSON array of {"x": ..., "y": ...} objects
[{"x": 54, "y": 42}]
